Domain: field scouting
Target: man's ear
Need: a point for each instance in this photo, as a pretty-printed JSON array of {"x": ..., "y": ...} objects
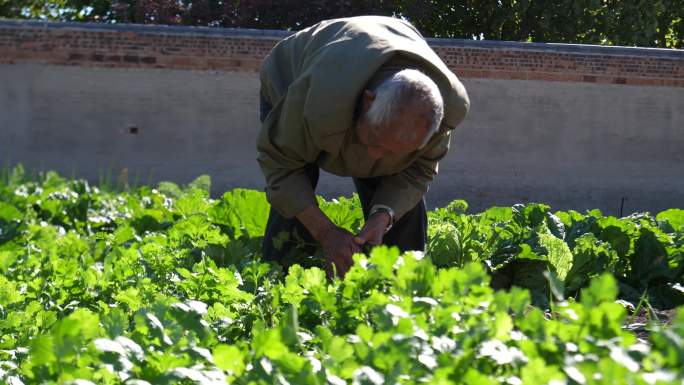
[{"x": 368, "y": 98}]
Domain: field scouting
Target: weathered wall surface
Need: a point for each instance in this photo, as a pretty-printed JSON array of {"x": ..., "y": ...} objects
[{"x": 574, "y": 126}]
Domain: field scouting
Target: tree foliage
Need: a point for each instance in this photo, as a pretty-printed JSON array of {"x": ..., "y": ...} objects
[{"x": 648, "y": 23}]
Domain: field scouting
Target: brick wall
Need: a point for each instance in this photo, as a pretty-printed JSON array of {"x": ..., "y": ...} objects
[{"x": 200, "y": 48}]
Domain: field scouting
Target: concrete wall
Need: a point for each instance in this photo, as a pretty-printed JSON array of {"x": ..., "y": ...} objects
[
  {"x": 159, "y": 124},
  {"x": 571, "y": 144}
]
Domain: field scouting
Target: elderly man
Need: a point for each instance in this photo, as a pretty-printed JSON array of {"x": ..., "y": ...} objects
[{"x": 363, "y": 97}]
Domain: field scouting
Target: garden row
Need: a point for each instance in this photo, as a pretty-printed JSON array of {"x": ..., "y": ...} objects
[{"x": 166, "y": 286}]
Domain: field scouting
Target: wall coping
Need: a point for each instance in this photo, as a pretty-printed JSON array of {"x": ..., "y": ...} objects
[
  {"x": 234, "y": 49},
  {"x": 279, "y": 34}
]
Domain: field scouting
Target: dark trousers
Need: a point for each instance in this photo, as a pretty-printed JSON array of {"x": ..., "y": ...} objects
[{"x": 408, "y": 233}]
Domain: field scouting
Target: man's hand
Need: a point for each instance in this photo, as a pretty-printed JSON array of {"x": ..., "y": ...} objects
[
  {"x": 338, "y": 247},
  {"x": 338, "y": 244},
  {"x": 373, "y": 230}
]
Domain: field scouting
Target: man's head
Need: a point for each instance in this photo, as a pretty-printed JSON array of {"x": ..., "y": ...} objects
[{"x": 400, "y": 115}]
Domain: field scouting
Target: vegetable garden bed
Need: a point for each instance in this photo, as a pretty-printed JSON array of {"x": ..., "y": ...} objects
[{"x": 165, "y": 286}]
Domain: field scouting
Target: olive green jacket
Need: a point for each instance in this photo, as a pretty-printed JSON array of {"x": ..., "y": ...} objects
[{"x": 313, "y": 80}]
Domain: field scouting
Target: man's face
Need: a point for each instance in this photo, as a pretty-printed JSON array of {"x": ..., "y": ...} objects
[
  {"x": 403, "y": 135},
  {"x": 388, "y": 140}
]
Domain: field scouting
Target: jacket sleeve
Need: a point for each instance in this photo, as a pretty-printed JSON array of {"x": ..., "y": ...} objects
[
  {"x": 403, "y": 191},
  {"x": 283, "y": 155}
]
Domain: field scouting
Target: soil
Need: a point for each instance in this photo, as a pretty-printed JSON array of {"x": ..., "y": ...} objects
[{"x": 641, "y": 324}]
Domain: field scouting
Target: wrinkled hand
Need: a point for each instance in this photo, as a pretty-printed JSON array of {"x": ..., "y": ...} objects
[
  {"x": 373, "y": 230},
  {"x": 338, "y": 248}
]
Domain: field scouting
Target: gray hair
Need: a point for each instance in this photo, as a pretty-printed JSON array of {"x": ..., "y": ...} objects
[{"x": 405, "y": 87}]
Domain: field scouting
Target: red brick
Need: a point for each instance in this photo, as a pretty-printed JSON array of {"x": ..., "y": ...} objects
[
  {"x": 604, "y": 79},
  {"x": 222, "y": 63},
  {"x": 644, "y": 81},
  {"x": 75, "y": 46},
  {"x": 554, "y": 77},
  {"x": 131, "y": 59},
  {"x": 468, "y": 73},
  {"x": 188, "y": 62}
]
